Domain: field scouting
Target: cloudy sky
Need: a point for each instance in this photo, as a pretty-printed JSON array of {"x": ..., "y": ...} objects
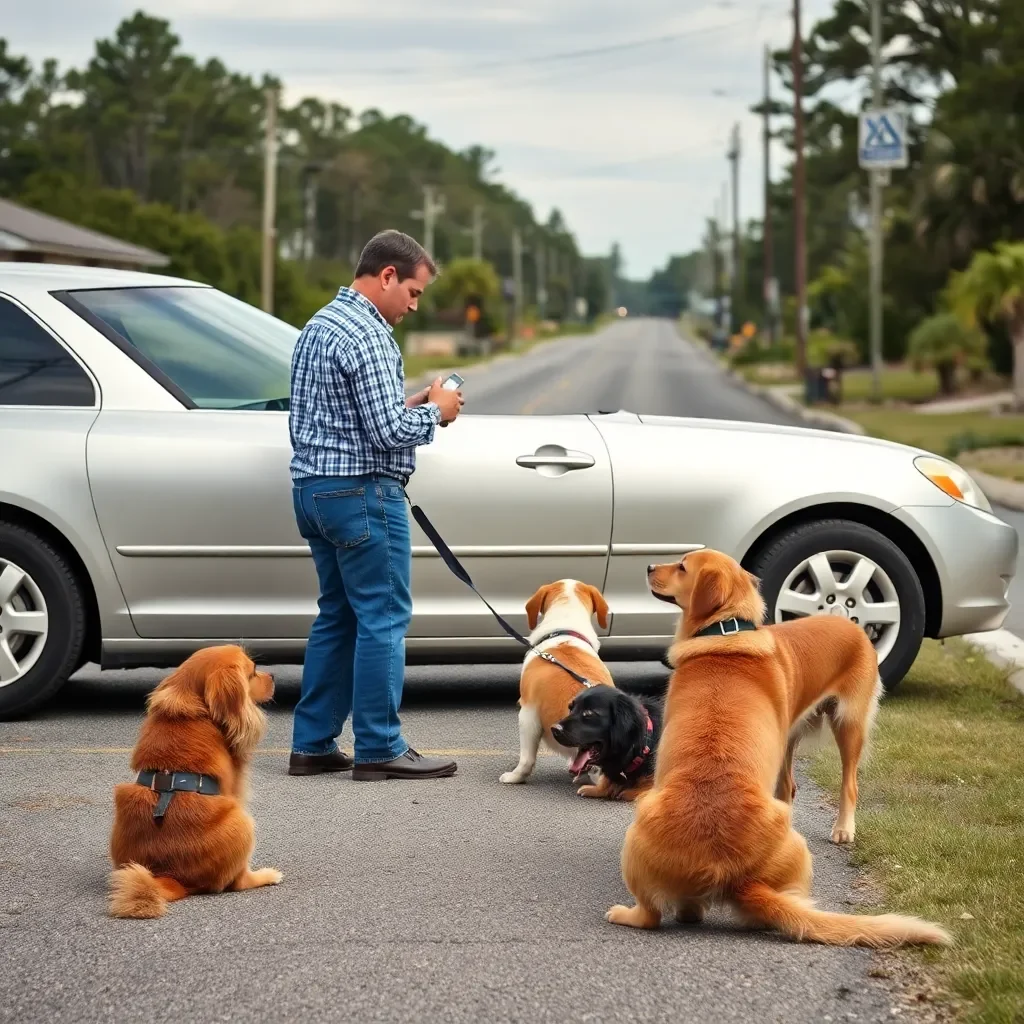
[{"x": 628, "y": 141}]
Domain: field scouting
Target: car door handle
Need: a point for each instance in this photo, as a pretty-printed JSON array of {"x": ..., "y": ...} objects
[{"x": 568, "y": 460}]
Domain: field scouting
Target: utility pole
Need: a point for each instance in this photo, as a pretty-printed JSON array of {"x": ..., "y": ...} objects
[
  {"x": 877, "y": 185},
  {"x": 542, "y": 283},
  {"x": 799, "y": 196},
  {"x": 727, "y": 258},
  {"x": 269, "y": 201},
  {"x": 767, "y": 228},
  {"x": 517, "y": 277},
  {"x": 478, "y": 231},
  {"x": 433, "y": 204},
  {"x": 737, "y": 258},
  {"x": 309, "y": 191}
]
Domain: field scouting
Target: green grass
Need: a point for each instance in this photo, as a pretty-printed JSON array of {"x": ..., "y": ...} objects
[
  {"x": 945, "y": 435},
  {"x": 898, "y": 384},
  {"x": 940, "y": 821}
]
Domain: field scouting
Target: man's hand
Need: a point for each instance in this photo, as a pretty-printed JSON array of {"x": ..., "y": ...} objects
[
  {"x": 449, "y": 402},
  {"x": 420, "y": 398}
]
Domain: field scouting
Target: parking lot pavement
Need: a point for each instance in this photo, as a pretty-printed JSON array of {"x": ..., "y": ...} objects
[{"x": 452, "y": 900}]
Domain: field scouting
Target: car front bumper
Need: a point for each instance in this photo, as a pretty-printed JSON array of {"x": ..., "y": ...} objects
[{"x": 975, "y": 555}]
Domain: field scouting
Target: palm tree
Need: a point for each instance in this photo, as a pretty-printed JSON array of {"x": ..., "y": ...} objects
[{"x": 992, "y": 288}]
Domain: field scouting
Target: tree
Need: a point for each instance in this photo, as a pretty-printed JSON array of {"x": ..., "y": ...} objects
[
  {"x": 992, "y": 288},
  {"x": 943, "y": 343}
]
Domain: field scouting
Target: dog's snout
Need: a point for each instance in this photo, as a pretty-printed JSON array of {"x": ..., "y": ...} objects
[
  {"x": 557, "y": 729},
  {"x": 650, "y": 569}
]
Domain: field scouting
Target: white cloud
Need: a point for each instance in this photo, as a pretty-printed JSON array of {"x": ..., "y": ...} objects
[{"x": 629, "y": 144}]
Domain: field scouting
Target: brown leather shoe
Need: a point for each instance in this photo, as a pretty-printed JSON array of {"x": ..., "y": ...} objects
[
  {"x": 317, "y": 764},
  {"x": 411, "y": 765}
]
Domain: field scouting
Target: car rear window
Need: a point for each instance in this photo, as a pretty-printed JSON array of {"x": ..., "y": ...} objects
[{"x": 219, "y": 351}]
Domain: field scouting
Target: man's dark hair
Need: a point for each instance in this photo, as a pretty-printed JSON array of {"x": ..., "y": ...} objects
[{"x": 394, "y": 249}]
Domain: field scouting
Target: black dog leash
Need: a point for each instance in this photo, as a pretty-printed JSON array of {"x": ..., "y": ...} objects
[{"x": 459, "y": 570}]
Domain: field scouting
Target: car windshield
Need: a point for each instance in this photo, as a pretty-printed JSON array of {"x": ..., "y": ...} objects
[{"x": 222, "y": 352}]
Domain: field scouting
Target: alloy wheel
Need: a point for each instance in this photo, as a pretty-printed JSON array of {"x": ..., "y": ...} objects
[
  {"x": 24, "y": 622},
  {"x": 847, "y": 584}
]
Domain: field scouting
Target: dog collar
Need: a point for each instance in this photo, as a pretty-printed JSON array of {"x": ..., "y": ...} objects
[
  {"x": 563, "y": 632},
  {"x": 641, "y": 757},
  {"x": 727, "y": 627}
]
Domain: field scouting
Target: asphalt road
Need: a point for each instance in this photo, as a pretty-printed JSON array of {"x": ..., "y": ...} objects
[
  {"x": 636, "y": 365},
  {"x": 452, "y": 900}
]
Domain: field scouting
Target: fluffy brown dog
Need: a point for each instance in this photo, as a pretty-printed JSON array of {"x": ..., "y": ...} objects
[
  {"x": 203, "y": 719},
  {"x": 711, "y": 827}
]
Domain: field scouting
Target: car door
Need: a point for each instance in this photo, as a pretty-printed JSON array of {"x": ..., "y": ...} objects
[
  {"x": 196, "y": 512},
  {"x": 522, "y": 500}
]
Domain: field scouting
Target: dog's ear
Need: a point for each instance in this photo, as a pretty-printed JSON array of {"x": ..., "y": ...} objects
[
  {"x": 536, "y": 605},
  {"x": 708, "y": 595},
  {"x": 231, "y": 706},
  {"x": 623, "y": 720},
  {"x": 179, "y": 695},
  {"x": 599, "y": 604}
]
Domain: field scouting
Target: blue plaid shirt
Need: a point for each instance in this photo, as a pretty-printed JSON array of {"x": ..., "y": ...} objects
[{"x": 347, "y": 409}]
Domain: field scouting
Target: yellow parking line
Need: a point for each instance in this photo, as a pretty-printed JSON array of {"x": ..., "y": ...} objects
[{"x": 275, "y": 751}]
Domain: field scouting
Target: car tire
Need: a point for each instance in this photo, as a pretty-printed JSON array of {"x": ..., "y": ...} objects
[
  {"x": 789, "y": 581},
  {"x": 42, "y": 580}
]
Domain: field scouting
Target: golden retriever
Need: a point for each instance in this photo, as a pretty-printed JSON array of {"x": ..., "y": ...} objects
[
  {"x": 204, "y": 719},
  {"x": 711, "y": 828}
]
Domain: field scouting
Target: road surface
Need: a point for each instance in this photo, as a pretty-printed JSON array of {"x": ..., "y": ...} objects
[{"x": 457, "y": 900}]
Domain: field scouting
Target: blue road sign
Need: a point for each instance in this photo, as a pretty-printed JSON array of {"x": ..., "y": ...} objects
[{"x": 883, "y": 139}]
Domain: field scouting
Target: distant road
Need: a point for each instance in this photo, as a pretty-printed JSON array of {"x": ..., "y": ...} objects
[{"x": 638, "y": 365}]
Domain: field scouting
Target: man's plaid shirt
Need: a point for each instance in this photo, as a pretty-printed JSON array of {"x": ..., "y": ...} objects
[{"x": 347, "y": 407}]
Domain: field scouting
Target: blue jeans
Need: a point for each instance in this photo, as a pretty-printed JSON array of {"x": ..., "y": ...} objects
[{"x": 358, "y": 532}]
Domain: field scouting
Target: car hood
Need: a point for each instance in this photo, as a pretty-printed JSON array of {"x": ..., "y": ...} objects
[{"x": 778, "y": 429}]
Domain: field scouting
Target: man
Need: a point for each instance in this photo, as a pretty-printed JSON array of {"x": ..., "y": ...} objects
[{"x": 354, "y": 436}]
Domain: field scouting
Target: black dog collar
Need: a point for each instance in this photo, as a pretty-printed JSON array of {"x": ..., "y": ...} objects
[{"x": 727, "y": 627}]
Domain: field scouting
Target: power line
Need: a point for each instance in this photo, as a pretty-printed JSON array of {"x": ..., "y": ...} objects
[{"x": 546, "y": 58}]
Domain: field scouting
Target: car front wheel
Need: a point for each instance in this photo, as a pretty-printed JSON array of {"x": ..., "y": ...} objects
[
  {"x": 839, "y": 567},
  {"x": 42, "y": 621}
]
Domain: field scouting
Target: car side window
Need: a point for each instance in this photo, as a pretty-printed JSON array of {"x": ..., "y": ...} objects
[{"x": 35, "y": 369}]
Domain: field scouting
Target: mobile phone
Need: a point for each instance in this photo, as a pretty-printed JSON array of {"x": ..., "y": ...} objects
[{"x": 453, "y": 382}]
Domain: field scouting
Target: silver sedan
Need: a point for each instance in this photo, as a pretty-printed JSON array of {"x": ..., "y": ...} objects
[{"x": 145, "y": 505}]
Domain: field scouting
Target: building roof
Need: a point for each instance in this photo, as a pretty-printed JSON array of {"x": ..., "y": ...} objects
[{"x": 22, "y": 229}]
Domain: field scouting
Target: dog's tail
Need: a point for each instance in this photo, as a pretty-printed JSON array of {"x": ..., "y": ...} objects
[
  {"x": 799, "y": 919},
  {"x": 136, "y": 892}
]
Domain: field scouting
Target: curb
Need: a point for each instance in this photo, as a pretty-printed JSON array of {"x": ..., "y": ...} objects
[
  {"x": 819, "y": 418},
  {"x": 1003, "y": 649}
]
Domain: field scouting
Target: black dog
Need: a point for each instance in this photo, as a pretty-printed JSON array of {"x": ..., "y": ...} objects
[{"x": 615, "y": 733}]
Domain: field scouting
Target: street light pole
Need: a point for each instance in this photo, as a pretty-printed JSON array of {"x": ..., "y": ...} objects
[
  {"x": 877, "y": 185},
  {"x": 799, "y": 197}
]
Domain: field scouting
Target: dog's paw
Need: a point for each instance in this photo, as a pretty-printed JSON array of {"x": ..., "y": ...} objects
[
  {"x": 618, "y": 914},
  {"x": 842, "y": 836},
  {"x": 268, "y": 876},
  {"x": 509, "y": 778},
  {"x": 594, "y": 792}
]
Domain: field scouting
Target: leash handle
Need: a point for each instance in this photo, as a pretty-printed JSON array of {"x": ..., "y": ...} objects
[{"x": 459, "y": 571}]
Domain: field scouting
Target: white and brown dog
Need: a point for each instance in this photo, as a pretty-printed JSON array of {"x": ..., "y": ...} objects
[{"x": 560, "y": 619}]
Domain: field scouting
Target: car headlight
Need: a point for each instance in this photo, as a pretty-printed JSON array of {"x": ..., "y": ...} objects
[{"x": 949, "y": 477}]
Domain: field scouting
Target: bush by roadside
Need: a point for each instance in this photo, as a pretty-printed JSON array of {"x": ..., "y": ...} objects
[{"x": 941, "y": 821}]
